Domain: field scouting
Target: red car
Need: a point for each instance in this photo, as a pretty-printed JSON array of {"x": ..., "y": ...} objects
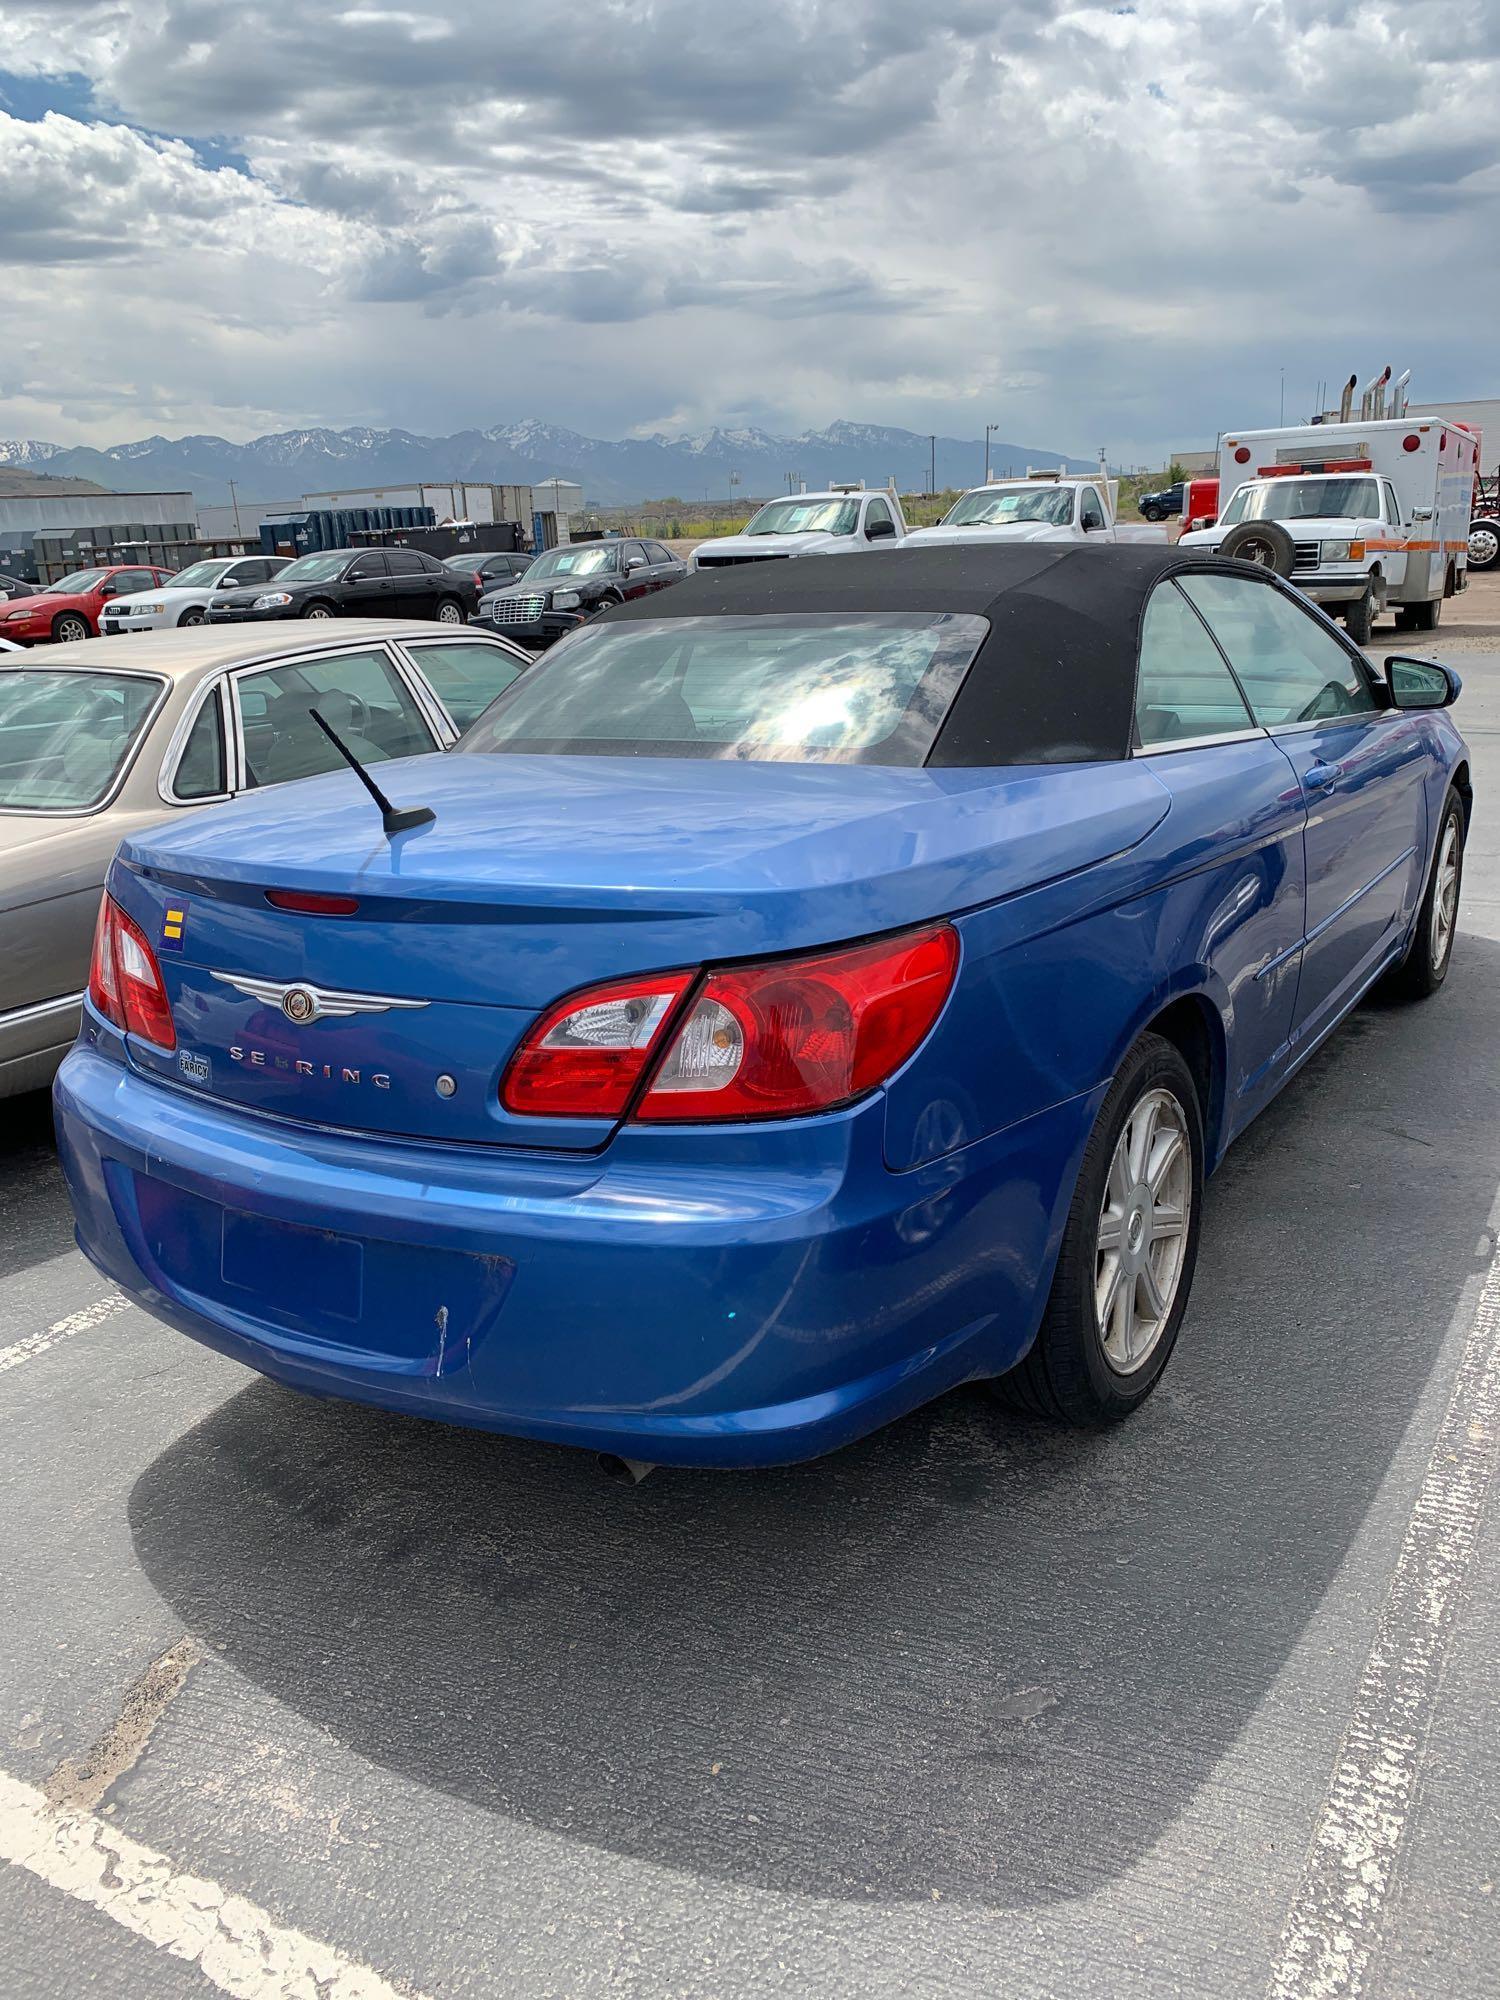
[{"x": 69, "y": 608}]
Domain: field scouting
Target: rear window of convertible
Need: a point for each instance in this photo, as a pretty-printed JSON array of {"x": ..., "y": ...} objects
[{"x": 803, "y": 688}]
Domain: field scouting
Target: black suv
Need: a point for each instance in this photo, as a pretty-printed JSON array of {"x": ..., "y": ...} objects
[
  {"x": 568, "y": 585},
  {"x": 1157, "y": 506},
  {"x": 355, "y": 583}
]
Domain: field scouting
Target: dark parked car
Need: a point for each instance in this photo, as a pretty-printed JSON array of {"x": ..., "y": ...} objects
[
  {"x": 490, "y": 568},
  {"x": 355, "y": 583},
  {"x": 567, "y": 586},
  {"x": 12, "y": 586},
  {"x": 1158, "y": 506}
]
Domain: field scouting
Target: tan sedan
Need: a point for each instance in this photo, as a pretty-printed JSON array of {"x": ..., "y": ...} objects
[{"x": 99, "y": 738}]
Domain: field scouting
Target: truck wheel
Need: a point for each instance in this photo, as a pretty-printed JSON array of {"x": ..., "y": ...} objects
[
  {"x": 1360, "y": 617},
  {"x": 1425, "y": 617},
  {"x": 1484, "y": 544},
  {"x": 1264, "y": 543},
  {"x": 1151, "y": 513}
]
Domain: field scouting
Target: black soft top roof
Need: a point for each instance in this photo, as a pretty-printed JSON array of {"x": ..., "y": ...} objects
[{"x": 1053, "y": 682}]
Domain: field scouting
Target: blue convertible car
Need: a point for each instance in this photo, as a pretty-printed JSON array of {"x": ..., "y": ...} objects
[{"x": 820, "y": 986}]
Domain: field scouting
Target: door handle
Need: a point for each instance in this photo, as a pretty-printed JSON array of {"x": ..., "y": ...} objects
[{"x": 1321, "y": 777}]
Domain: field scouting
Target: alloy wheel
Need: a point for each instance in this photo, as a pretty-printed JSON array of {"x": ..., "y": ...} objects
[
  {"x": 449, "y": 614},
  {"x": 1445, "y": 898},
  {"x": 1143, "y": 1230}
]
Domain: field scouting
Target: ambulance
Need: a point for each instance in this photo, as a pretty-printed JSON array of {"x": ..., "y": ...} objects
[{"x": 1364, "y": 515}]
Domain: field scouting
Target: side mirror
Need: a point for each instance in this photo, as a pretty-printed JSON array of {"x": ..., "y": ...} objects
[
  {"x": 880, "y": 531},
  {"x": 1420, "y": 683},
  {"x": 634, "y": 562}
]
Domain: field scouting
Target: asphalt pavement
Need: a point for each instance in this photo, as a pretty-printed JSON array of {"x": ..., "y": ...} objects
[{"x": 297, "y": 1698}]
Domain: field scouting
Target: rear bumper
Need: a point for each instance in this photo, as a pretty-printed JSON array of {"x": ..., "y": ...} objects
[{"x": 772, "y": 1305}]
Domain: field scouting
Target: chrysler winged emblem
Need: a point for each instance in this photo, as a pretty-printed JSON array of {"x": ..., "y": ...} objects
[{"x": 303, "y": 1003}]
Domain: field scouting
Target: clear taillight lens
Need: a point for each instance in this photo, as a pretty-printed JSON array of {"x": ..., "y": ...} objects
[{"x": 125, "y": 981}]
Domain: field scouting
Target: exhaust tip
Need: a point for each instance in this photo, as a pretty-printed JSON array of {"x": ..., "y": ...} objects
[{"x": 625, "y": 1471}]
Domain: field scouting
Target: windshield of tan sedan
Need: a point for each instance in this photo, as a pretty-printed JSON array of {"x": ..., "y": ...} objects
[
  {"x": 65, "y": 737},
  {"x": 800, "y": 688},
  {"x": 1303, "y": 500},
  {"x": 805, "y": 517},
  {"x": 995, "y": 506}
]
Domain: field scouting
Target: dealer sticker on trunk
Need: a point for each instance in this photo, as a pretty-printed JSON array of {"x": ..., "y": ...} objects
[{"x": 194, "y": 1067}]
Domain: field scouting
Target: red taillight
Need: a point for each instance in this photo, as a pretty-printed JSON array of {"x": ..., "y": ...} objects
[
  {"x": 1242, "y": 456},
  {"x": 757, "y": 1041},
  {"x": 125, "y": 982},
  {"x": 806, "y": 1034},
  {"x": 1411, "y": 442},
  {"x": 586, "y": 1055},
  {"x": 310, "y": 905}
]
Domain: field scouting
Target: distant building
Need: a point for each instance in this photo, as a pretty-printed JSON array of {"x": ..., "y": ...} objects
[
  {"x": 555, "y": 503},
  {"x": 1196, "y": 463},
  {"x": 44, "y": 534},
  {"x": 1482, "y": 415}
]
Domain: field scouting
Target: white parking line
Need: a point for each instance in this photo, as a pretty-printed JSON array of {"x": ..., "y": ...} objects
[
  {"x": 79, "y": 1322},
  {"x": 1334, "y": 1927},
  {"x": 236, "y": 1945}
]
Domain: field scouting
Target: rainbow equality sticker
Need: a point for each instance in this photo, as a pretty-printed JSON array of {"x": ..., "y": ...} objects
[{"x": 171, "y": 930}]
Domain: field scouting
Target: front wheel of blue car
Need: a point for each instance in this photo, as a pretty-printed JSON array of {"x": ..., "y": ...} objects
[{"x": 1126, "y": 1265}]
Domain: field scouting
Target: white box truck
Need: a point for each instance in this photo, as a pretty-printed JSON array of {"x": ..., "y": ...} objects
[{"x": 1364, "y": 516}]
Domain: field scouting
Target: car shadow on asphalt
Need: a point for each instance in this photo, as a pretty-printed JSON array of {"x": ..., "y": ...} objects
[
  {"x": 35, "y": 1220},
  {"x": 971, "y": 1654}
]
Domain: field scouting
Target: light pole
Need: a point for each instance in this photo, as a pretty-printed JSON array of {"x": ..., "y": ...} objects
[
  {"x": 235, "y": 503},
  {"x": 989, "y": 432},
  {"x": 932, "y": 467},
  {"x": 1283, "y": 395}
]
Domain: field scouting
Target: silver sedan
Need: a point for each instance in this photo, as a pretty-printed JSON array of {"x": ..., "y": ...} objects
[{"x": 100, "y": 738}]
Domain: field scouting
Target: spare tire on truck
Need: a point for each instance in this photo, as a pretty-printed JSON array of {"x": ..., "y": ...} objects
[{"x": 1264, "y": 543}]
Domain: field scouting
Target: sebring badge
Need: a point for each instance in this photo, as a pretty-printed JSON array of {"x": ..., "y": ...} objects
[{"x": 303, "y": 1004}]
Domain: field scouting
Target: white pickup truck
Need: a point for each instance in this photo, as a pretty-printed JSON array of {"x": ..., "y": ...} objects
[
  {"x": 843, "y": 521},
  {"x": 1051, "y": 508}
]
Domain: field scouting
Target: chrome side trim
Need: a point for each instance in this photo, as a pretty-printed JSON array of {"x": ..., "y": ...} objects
[{"x": 40, "y": 1009}]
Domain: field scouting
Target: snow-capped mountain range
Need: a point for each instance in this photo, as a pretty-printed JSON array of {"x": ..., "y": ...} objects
[{"x": 611, "y": 472}]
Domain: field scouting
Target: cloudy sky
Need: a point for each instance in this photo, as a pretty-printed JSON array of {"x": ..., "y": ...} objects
[{"x": 1090, "y": 225}]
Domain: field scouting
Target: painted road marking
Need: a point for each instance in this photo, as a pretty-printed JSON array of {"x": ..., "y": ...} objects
[
  {"x": 237, "y": 1946},
  {"x": 63, "y": 1329},
  {"x": 1334, "y": 1927}
]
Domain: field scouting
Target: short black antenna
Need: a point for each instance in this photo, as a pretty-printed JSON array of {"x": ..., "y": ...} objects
[{"x": 391, "y": 819}]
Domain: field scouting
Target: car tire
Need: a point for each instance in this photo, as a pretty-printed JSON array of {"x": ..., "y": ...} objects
[
  {"x": 1430, "y": 953},
  {"x": 1359, "y": 618},
  {"x": 317, "y": 609},
  {"x": 69, "y": 627},
  {"x": 1264, "y": 543},
  {"x": 1083, "y": 1370},
  {"x": 1150, "y": 513},
  {"x": 450, "y": 612},
  {"x": 192, "y": 616}
]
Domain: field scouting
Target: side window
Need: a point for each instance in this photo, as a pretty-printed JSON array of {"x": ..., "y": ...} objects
[
  {"x": 1183, "y": 691},
  {"x": 1090, "y": 513},
  {"x": 127, "y": 580},
  {"x": 468, "y": 675},
  {"x": 404, "y": 562},
  {"x": 877, "y": 511},
  {"x": 1291, "y": 668},
  {"x": 659, "y": 553},
  {"x": 368, "y": 567},
  {"x": 200, "y": 769},
  {"x": 1392, "y": 504},
  {"x": 633, "y": 552},
  {"x": 359, "y": 694}
]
